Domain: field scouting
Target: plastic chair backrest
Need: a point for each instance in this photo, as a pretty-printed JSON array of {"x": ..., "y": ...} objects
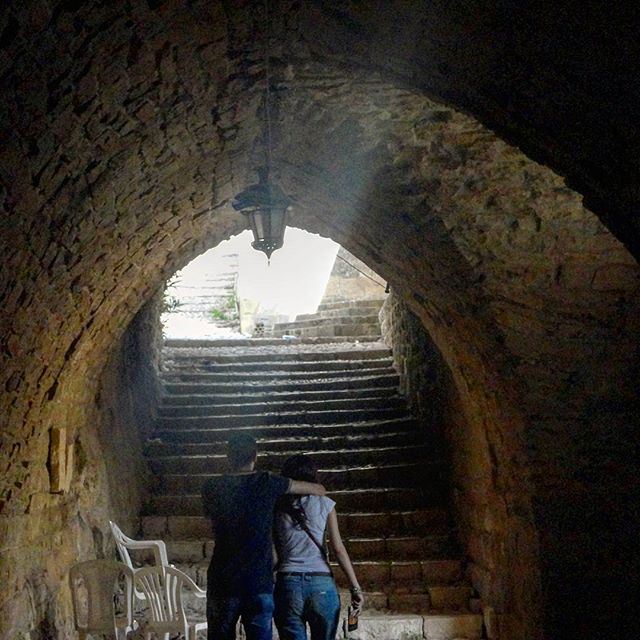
[
  {"x": 162, "y": 588},
  {"x": 99, "y": 581},
  {"x": 121, "y": 543},
  {"x": 124, "y": 544}
]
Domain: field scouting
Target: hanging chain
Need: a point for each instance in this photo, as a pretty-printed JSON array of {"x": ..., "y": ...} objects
[{"x": 267, "y": 92}]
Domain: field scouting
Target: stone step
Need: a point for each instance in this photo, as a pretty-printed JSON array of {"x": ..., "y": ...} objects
[
  {"x": 386, "y": 380},
  {"x": 337, "y": 320},
  {"x": 372, "y": 477},
  {"x": 350, "y": 304},
  {"x": 353, "y": 500},
  {"x": 346, "y": 312},
  {"x": 184, "y": 366},
  {"x": 156, "y": 448},
  {"x": 280, "y": 418},
  {"x": 222, "y": 433},
  {"x": 434, "y": 546},
  {"x": 451, "y": 598},
  {"x": 402, "y": 576},
  {"x": 330, "y": 459},
  {"x": 341, "y": 404},
  {"x": 378, "y": 602},
  {"x": 330, "y": 329},
  {"x": 405, "y": 626},
  {"x": 403, "y": 572},
  {"x": 392, "y": 523},
  {"x": 287, "y": 396},
  {"x": 217, "y": 343},
  {"x": 213, "y": 357},
  {"x": 451, "y": 619},
  {"x": 191, "y": 375}
]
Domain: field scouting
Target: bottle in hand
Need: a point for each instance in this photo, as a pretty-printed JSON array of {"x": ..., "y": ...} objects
[{"x": 352, "y": 619}]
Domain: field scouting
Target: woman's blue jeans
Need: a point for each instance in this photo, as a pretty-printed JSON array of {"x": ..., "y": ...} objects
[{"x": 304, "y": 598}]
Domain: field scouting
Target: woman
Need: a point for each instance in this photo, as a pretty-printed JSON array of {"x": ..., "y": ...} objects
[{"x": 305, "y": 591}]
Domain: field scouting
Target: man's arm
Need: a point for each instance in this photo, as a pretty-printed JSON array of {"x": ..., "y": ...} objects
[{"x": 301, "y": 488}]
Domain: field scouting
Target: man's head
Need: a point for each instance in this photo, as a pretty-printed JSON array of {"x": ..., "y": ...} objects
[{"x": 241, "y": 450}]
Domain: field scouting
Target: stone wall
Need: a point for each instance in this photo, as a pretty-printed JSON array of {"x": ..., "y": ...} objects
[
  {"x": 423, "y": 375},
  {"x": 46, "y": 533},
  {"x": 477, "y": 505},
  {"x": 352, "y": 279}
]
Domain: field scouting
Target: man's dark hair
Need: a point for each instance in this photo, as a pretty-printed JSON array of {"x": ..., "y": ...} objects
[{"x": 241, "y": 450}]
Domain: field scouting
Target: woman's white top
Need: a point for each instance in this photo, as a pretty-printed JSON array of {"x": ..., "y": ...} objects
[{"x": 296, "y": 551}]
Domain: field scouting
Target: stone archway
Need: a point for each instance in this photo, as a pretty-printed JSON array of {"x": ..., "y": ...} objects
[{"x": 115, "y": 179}]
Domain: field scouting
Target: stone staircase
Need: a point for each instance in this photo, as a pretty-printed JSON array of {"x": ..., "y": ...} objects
[
  {"x": 344, "y": 319},
  {"x": 339, "y": 402}
]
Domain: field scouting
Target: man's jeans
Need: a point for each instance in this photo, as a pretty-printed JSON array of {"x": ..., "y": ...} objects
[
  {"x": 306, "y": 598},
  {"x": 223, "y": 614}
]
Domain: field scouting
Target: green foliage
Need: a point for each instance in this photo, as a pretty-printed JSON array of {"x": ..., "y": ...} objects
[
  {"x": 225, "y": 309},
  {"x": 218, "y": 314},
  {"x": 170, "y": 303}
]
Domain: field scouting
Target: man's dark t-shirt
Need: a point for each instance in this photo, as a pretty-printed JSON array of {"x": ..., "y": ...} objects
[{"x": 241, "y": 510}]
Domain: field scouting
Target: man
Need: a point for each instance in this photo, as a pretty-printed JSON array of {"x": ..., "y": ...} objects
[{"x": 240, "y": 577}]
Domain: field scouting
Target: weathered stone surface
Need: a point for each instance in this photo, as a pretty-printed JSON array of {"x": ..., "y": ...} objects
[
  {"x": 399, "y": 627},
  {"x": 444, "y": 627}
]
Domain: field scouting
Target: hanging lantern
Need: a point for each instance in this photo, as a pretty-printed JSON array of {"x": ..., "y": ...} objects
[
  {"x": 266, "y": 206},
  {"x": 264, "y": 203}
]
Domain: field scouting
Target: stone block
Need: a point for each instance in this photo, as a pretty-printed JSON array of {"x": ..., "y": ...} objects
[
  {"x": 616, "y": 277},
  {"x": 154, "y": 527},
  {"x": 452, "y": 627},
  {"x": 576, "y": 274},
  {"x": 388, "y": 627},
  {"x": 409, "y": 602},
  {"x": 406, "y": 571},
  {"x": 405, "y": 547},
  {"x": 447, "y": 598},
  {"x": 185, "y": 551},
  {"x": 441, "y": 571},
  {"x": 189, "y": 527},
  {"x": 367, "y": 548},
  {"x": 60, "y": 460},
  {"x": 369, "y": 573}
]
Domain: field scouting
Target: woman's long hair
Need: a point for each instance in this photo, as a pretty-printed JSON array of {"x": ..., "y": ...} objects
[{"x": 298, "y": 467}]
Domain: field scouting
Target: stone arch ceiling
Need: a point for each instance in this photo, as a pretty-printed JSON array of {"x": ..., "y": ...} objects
[{"x": 126, "y": 129}]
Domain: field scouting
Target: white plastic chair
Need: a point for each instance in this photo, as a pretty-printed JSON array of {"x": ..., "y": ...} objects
[
  {"x": 158, "y": 547},
  {"x": 162, "y": 588},
  {"x": 124, "y": 544},
  {"x": 95, "y": 586}
]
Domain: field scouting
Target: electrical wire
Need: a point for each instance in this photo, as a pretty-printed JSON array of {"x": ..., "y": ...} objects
[{"x": 362, "y": 272}]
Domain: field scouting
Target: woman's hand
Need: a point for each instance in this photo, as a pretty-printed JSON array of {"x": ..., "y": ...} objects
[{"x": 357, "y": 600}]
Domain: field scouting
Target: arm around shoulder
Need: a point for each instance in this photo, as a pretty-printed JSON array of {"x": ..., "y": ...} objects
[{"x": 299, "y": 487}]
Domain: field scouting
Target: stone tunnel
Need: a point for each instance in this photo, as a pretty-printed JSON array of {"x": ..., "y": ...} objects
[{"x": 478, "y": 156}]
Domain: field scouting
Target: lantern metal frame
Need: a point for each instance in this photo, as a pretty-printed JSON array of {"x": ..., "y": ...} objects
[{"x": 265, "y": 206}]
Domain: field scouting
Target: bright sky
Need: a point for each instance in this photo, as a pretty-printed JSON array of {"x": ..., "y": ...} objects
[
  {"x": 295, "y": 280},
  {"x": 292, "y": 284}
]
